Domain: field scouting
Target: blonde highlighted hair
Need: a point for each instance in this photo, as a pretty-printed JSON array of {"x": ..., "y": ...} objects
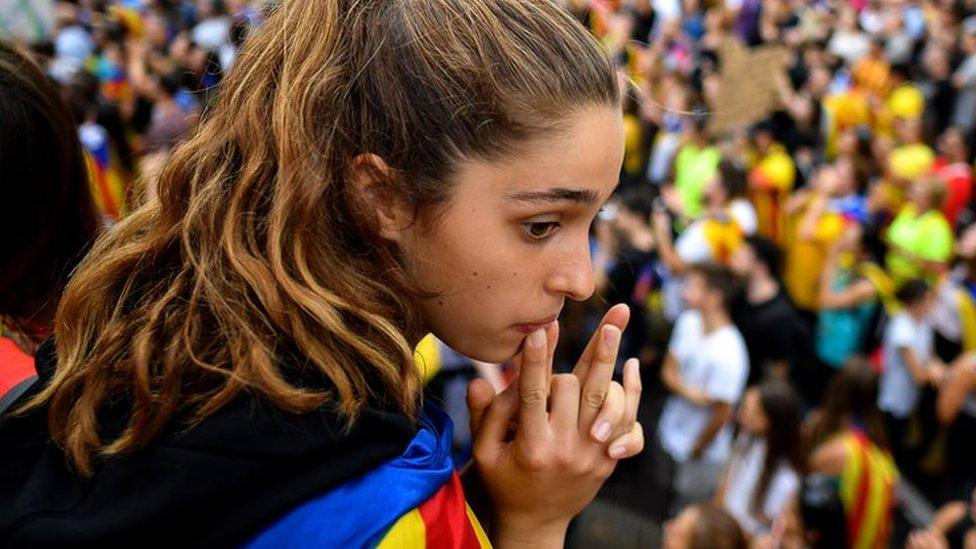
[{"x": 259, "y": 268}]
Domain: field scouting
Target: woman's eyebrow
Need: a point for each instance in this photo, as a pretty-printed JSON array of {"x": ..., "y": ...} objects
[{"x": 556, "y": 194}]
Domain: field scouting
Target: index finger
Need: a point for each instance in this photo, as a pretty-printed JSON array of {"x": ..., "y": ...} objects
[
  {"x": 619, "y": 316},
  {"x": 534, "y": 386}
]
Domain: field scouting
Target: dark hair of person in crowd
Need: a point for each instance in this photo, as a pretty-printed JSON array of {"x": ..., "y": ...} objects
[
  {"x": 851, "y": 398},
  {"x": 934, "y": 192},
  {"x": 822, "y": 513},
  {"x": 637, "y": 201},
  {"x": 912, "y": 291},
  {"x": 260, "y": 247},
  {"x": 718, "y": 278},
  {"x": 783, "y": 408},
  {"x": 238, "y": 32},
  {"x": 733, "y": 179},
  {"x": 871, "y": 246},
  {"x": 47, "y": 217},
  {"x": 767, "y": 253},
  {"x": 716, "y": 529},
  {"x": 169, "y": 83}
]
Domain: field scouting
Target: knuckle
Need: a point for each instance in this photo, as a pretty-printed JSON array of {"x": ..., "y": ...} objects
[
  {"x": 532, "y": 397},
  {"x": 594, "y": 399},
  {"x": 480, "y": 453},
  {"x": 566, "y": 460},
  {"x": 534, "y": 459}
]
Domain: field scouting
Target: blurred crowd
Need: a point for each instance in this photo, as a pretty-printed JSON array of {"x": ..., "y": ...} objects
[
  {"x": 138, "y": 74},
  {"x": 812, "y": 255},
  {"x": 802, "y": 281}
]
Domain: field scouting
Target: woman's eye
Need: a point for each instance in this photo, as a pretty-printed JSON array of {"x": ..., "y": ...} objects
[{"x": 540, "y": 230}]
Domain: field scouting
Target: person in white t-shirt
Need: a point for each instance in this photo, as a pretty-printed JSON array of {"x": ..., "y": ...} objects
[
  {"x": 909, "y": 362},
  {"x": 712, "y": 237},
  {"x": 705, "y": 368},
  {"x": 763, "y": 472}
]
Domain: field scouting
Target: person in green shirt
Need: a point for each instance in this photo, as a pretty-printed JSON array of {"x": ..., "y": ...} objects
[
  {"x": 695, "y": 164},
  {"x": 920, "y": 239}
]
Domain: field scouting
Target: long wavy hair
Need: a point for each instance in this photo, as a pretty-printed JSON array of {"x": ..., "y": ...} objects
[{"x": 260, "y": 267}]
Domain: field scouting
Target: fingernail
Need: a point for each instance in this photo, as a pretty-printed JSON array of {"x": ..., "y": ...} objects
[
  {"x": 536, "y": 340},
  {"x": 610, "y": 335},
  {"x": 602, "y": 432},
  {"x": 618, "y": 452}
]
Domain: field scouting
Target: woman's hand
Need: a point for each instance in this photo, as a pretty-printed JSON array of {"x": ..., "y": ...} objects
[{"x": 551, "y": 465}]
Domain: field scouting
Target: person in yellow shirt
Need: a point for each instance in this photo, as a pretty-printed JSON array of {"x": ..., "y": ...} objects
[
  {"x": 811, "y": 230},
  {"x": 902, "y": 101},
  {"x": 771, "y": 180}
]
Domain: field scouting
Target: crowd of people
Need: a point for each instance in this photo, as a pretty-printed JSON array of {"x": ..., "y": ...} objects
[
  {"x": 815, "y": 266},
  {"x": 803, "y": 284}
]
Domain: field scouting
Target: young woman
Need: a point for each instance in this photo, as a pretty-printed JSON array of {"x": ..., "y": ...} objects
[
  {"x": 850, "y": 445},
  {"x": 47, "y": 217},
  {"x": 849, "y": 296},
  {"x": 763, "y": 473},
  {"x": 234, "y": 360}
]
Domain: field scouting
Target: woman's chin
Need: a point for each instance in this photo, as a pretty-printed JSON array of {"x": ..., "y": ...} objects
[{"x": 493, "y": 352}]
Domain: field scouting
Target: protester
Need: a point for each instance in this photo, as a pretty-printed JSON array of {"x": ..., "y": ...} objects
[
  {"x": 232, "y": 363},
  {"x": 909, "y": 362},
  {"x": 765, "y": 467},
  {"x": 711, "y": 237},
  {"x": 705, "y": 370},
  {"x": 920, "y": 237},
  {"x": 850, "y": 297},
  {"x": 848, "y": 442},
  {"x": 841, "y": 132},
  {"x": 771, "y": 327}
]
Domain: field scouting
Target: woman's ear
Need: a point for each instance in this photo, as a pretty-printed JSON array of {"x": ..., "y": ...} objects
[{"x": 373, "y": 181}]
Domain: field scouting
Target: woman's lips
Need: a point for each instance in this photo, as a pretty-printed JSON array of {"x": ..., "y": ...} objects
[{"x": 530, "y": 327}]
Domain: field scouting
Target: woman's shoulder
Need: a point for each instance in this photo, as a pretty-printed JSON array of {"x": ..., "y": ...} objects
[
  {"x": 220, "y": 480},
  {"x": 830, "y": 456}
]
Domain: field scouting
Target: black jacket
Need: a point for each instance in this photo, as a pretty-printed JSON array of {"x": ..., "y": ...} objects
[{"x": 216, "y": 484}]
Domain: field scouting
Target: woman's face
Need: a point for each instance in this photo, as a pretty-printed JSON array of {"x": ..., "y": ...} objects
[{"x": 513, "y": 242}]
